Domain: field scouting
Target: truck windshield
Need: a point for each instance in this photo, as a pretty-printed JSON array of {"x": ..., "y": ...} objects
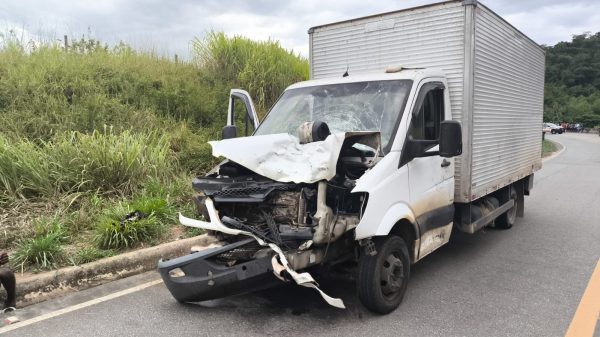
[{"x": 345, "y": 107}]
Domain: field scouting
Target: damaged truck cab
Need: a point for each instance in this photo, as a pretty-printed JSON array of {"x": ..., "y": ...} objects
[{"x": 376, "y": 168}]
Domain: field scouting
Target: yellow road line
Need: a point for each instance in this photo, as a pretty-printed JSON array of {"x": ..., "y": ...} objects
[
  {"x": 588, "y": 311},
  {"x": 79, "y": 306}
]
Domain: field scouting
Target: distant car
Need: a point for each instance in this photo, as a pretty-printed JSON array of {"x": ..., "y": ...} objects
[
  {"x": 554, "y": 128},
  {"x": 576, "y": 127},
  {"x": 546, "y": 128}
]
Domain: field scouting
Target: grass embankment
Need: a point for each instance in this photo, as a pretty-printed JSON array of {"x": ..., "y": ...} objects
[
  {"x": 548, "y": 148},
  {"x": 98, "y": 145}
]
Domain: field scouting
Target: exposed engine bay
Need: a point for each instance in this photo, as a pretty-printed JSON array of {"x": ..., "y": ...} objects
[
  {"x": 286, "y": 213},
  {"x": 304, "y": 223}
]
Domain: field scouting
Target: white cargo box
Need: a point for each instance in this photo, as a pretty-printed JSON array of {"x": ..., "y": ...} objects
[{"x": 495, "y": 77}]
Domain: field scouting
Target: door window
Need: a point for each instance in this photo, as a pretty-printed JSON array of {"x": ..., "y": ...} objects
[{"x": 427, "y": 119}]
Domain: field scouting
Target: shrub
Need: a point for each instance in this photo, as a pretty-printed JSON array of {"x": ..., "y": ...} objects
[
  {"x": 156, "y": 206},
  {"x": 115, "y": 231},
  {"x": 43, "y": 250}
]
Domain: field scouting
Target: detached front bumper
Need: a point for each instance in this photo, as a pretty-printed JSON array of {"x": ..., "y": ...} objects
[
  {"x": 195, "y": 278},
  {"x": 199, "y": 279}
]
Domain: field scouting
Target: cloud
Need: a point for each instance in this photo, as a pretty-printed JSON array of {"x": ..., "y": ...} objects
[
  {"x": 551, "y": 24},
  {"x": 169, "y": 26}
]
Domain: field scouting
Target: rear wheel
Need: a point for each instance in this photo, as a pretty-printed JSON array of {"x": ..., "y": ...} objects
[
  {"x": 383, "y": 278},
  {"x": 508, "y": 218}
]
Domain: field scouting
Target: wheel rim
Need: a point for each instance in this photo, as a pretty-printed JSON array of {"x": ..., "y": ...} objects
[{"x": 392, "y": 275}]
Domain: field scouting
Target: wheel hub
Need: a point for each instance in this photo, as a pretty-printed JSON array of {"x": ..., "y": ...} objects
[{"x": 392, "y": 275}]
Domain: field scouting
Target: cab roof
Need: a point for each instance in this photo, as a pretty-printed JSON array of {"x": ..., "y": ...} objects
[{"x": 404, "y": 74}]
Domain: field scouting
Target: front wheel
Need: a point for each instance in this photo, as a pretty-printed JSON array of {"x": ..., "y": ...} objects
[{"x": 383, "y": 278}]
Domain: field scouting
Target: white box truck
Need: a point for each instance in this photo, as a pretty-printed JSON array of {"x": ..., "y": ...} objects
[{"x": 415, "y": 123}]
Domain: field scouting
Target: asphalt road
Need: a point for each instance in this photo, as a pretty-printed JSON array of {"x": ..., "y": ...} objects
[{"x": 526, "y": 281}]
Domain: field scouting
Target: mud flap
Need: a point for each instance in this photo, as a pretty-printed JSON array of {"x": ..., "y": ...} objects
[{"x": 302, "y": 279}]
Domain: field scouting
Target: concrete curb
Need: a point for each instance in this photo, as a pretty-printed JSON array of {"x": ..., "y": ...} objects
[{"x": 47, "y": 285}]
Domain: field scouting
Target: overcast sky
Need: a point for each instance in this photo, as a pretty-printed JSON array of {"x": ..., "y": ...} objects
[{"x": 169, "y": 26}]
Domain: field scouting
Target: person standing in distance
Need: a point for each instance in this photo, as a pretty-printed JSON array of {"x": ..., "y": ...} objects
[{"x": 7, "y": 278}]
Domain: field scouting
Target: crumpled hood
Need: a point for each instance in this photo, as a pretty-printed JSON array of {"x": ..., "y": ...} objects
[{"x": 282, "y": 158}]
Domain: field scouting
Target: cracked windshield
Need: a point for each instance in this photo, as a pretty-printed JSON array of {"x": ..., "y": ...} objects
[{"x": 359, "y": 106}]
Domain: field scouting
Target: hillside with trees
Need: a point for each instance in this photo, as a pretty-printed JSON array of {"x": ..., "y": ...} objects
[{"x": 573, "y": 81}]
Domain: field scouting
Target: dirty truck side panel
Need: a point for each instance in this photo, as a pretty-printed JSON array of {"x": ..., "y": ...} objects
[
  {"x": 389, "y": 198},
  {"x": 507, "y": 107},
  {"x": 420, "y": 191}
]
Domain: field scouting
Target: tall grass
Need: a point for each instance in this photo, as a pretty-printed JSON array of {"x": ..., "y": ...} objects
[
  {"x": 108, "y": 162},
  {"x": 72, "y": 162},
  {"x": 24, "y": 170},
  {"x": 263, "y": 68},
  {"x": 49, "y": 90},
  {"x": 91, "y": 133}
]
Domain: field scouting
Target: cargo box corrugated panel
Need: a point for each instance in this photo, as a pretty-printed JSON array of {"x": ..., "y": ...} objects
[
  {"x": 508, "y": 104},
  {"x": 495, "y": 79}
]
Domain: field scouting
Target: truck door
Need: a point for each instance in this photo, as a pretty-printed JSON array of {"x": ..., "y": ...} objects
[
  {"x": 236, "y": 115},
  {"x": 431, "y": 183}
]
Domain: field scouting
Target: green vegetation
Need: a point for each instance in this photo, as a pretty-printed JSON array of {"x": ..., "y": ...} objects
[
  {"x": 262, "y": 68},
  {"x": 91, "y": 134},
  {"x": 548, "y": 148},
  {"x": 573, "y": 81},
  {"x": 44, "y": 249},
  {"x": 76, "y": 162}
]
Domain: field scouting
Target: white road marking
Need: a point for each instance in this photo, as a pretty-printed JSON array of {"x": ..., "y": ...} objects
[{"x": 79, "y": 306}]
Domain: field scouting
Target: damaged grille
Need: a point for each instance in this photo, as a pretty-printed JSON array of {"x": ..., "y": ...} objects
[
  {"x": 240, "y": 254},
  {"x": 246, "y": 192},
  {"x": 234, "y": 190}
]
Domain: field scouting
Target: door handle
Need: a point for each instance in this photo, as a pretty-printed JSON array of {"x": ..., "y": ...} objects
[{"x": 445, "y": 163}]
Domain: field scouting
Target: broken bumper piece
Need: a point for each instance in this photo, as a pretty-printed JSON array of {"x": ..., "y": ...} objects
[
  {"x": 197, "y": 277},
  {"x": 303, "y": 279}
]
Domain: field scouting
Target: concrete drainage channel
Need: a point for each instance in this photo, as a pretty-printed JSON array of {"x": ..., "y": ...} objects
[{"x": 43, "y": 286}]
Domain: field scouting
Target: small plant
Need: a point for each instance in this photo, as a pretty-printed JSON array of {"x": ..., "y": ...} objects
[
  {"x": 43, "y": 251},
  {"x": 156, "y": 206},
  {"x": 90, "y": 254},
  {"x": 124, "y": 227},
  {"x": 46, "y": 225}
]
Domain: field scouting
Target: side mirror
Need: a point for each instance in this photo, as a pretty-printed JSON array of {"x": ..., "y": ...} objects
[
  {"x": 229, "y": 131},
  {"x": 450, "y": 139},
  {"x": 415, "y": 148}
]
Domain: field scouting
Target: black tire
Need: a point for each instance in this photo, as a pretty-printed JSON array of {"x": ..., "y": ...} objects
[
  {"x": 507, "y": 219},
  {"x": 552, "y": 131},
  {"x": 382, "y": 279}
]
